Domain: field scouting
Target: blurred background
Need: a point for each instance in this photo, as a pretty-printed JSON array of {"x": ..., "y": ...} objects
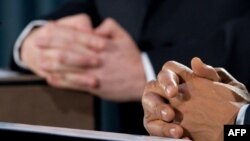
[{"x": 14, "y": 15}]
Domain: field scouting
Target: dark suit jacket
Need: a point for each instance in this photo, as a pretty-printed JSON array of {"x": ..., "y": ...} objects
[{"x": 215, "y": 30}]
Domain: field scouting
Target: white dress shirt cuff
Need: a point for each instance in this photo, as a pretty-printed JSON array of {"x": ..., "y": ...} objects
[
  {"x": 20, "y": 39},
  {"x": 148, "y": 68},
  {"x": 241, "y": 115}
]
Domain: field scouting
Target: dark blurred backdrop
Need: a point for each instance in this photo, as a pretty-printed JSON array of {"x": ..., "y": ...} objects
[{"x": 14, "y": 15}]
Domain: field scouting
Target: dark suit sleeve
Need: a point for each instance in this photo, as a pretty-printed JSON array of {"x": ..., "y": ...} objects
[
  {"x": 247, "y": 116},
  {"x": 72, "y": 7}
]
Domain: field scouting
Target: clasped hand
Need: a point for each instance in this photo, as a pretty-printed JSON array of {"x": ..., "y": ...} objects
[
  {"x": 69, "y": 53},
  {"x": 192, "y": 103}
]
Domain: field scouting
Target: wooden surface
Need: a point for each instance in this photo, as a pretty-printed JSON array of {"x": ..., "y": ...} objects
[{"x": 29, "y": 100}]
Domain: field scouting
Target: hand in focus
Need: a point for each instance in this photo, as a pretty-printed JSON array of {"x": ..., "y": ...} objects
[
  {"x": 198, "y": 105},
  {"x": 62, "y": 46}
]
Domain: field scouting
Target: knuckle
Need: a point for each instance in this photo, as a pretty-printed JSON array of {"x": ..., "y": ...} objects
[
  {"x": 186, "y": 74},
  {"x": 72, "y": 38},
  {"x": 156, "y": 110},
  {"x": 169, "y": 64},
  {"x": 160, "y": 75},
  {"x": 241, "y": 86},
  {"x": 53, "y": 65},
  {"x": 149, "y": 103},
  {"x": 88, "y": 40},
  {"x": 54, "y": 83},
  {"x": 62, "y": 56},
  {"x": 147, "y": 116},
  {"x": 149, "y": 86},
  {"x": 150, "y": 83},
  {"x": 83, "y": 18},
  {"x": 110, "y": 20},
  {"x": 145, "y": 100},
  {"x": 220, "y": 69},
  {"x": 145, "y": 123},
  {"x": 101, "y": 42},
  {"x": 47, "y": 31},
  {"x": 81, "y": 38}
]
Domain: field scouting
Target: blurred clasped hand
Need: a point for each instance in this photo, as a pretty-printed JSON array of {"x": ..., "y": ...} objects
[
  {"x": 192, "y": 103},
  {"x": 71, "y": 54}
]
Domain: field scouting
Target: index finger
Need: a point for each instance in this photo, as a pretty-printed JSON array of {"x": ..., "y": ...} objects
[
  {"x": 168, "y": 81},
  {"x": 203, "y": 70},
  {"x": 183, "y": 72},
  {"x": 80, "y": 22},
  {"x": 155, "y": 105}
]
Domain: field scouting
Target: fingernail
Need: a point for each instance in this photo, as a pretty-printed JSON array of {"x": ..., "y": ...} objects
[
  {"x": 164, "y": 113},
  {"x": 168, "y": 90},
  {"x": 172, "y": 132}
]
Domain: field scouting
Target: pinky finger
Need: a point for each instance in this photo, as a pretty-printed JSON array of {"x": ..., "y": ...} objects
[{"x": 164, "y": 129}]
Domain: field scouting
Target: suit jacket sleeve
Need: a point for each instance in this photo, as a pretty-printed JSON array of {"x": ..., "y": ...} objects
[{"x": 72, "y": 7}]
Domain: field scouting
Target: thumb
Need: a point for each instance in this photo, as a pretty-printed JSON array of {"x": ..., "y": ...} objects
[
  {"x": 110, "y": 28},
  {"x": 203, "y": 70},
  {"x": 80, "y": 22}
]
